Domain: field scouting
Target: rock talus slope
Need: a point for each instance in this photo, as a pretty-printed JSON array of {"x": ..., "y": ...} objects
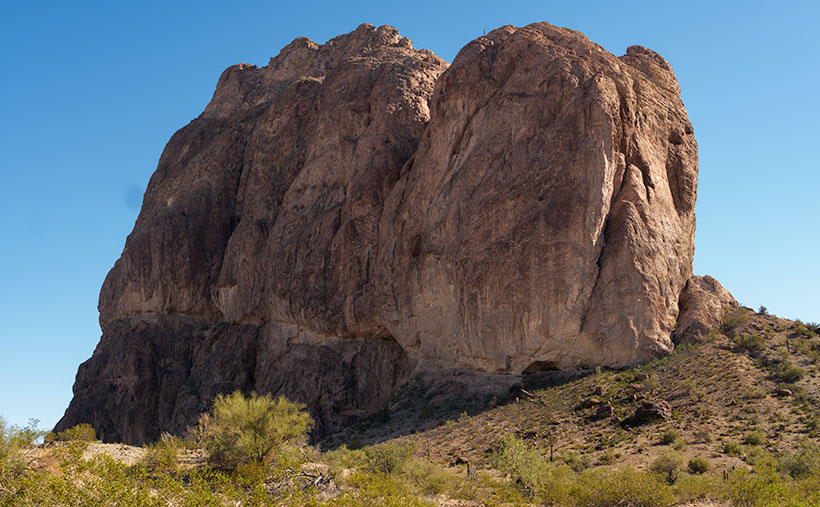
[{"x": 357, "y": 209}]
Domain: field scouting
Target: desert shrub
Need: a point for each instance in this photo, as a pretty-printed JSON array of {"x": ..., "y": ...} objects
[
  {"x": 240, "y": 430},
  {"x": 800, "y": 329},
  {"x": 668, "y": 466},
  {"x": 700, "y": 489},
  {"x": 763, "y": 310},
  {"x": 813, "y": 424},
  {"x": 669, "y": 436},
  {"x": 698, "y": 465},
  {"x": 80, "y": 433},
  {"x": 344, "y": 458},
  {"x": 625, "y": 486},
  {"x": 531, "y": 472},
  {"x": 388, "y": 490},
  {"x": 389, "y": 458},
  {"x": 732, "y": 448},
  {"x": 754, "y": 437},
  {"x": 732, "y": 319},
  {"x": 749, "y": 342},
  {"x": 610, "y": 457},
  {"x": 758, "y": 457},
  {"x": 429, "y": 478},
  {"x": 575, "y": 462},
  {"x": 751, "y": 489},
  {"x": 12, "y": 461},
  {"x": 800, "y": 464},
  {"x": 789, "y": 373},
  {"x": 163, "y": 456}
]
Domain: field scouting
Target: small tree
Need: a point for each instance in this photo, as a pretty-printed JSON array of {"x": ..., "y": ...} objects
[
  {"x": 239, "y": 429},
  {"x": 668, "y": 465}
]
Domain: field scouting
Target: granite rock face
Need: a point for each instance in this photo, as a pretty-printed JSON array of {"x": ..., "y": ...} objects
[
  {"x": 702, "y": 306},
  {"x": 547, "y": 219},
  {"x": 357, "y": 209}
]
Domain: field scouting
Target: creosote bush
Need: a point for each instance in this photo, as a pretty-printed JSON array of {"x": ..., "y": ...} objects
[
  {"x": 754, "y": 437},
  {"x": 790, "y": 373},
  {"x": 801, "y": 464},
  {"x": 239, "y": 429},
  {"x": 749, "y": 343},
  {"x": 732, "y": 319},
  {"x": 163, "y": 456},
  {"x": 389, "y": 458},
  {"x": 80, "y": 433},
  {"x": 732, "y": 448},
  {"x": 698, "y": 465},
  {"x": 669, "y": 436},
  {"x": 12, "y": 462}
]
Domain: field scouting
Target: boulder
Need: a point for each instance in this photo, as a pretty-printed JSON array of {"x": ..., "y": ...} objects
[{"x": 651, "y": 412}]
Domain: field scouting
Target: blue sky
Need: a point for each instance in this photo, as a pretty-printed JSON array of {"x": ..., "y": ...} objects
[{"x": 91, "y": 92}]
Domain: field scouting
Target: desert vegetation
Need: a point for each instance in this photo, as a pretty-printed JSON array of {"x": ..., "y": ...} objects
[{"x": 736, "y": 424}]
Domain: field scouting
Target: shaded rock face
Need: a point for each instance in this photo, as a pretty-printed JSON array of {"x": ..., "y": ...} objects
[{"x": 356, "y": 209}]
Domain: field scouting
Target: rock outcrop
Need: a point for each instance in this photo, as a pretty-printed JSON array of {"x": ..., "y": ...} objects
[
  {"x": 703, "y": 303},
  {"x": 356, "y": 209},
  {"x": 547, "y": 219}
]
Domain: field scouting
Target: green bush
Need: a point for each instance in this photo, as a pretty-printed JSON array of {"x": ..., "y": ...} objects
[
  {"x": 754, "y": 437},
  {"x": 667, "y": 465},
  {"x": 732, "y": 448},
  {"x": 749, "y": 342},
  {"x": 801, "y": 464},
  {"x": 576, "y": 462},
  {"x": 789, "y": 373},
  {"x": 163, "y": 456},
  {"x": 12, "y": 461},
  {"x": 389, "y": 458},
  {"x": 801, "y": 329},
  {"x": 80, "y": 433},
  {"x": 531, "y": 472},
  {"x": 732, "y": 319},
  {"x": 429, "y": 478},
  {"x": 669, "y": 436},
  {"x": 607, "y": 487},
  {"x": 698, "y": 465},
  {"x": 239, "y": 429}
]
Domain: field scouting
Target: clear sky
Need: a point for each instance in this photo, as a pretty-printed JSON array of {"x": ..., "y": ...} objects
[{"x": 91, "y": 92}]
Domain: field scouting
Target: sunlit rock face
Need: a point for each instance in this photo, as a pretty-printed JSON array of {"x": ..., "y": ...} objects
[{"x": 355, "y": 209}]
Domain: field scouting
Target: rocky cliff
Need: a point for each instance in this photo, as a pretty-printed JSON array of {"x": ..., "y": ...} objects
[{"x": 357, "y": 210}]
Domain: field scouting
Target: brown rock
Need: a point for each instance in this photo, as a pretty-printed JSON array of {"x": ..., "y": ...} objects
[
  {"x": 250, "y": 265},
  {"x": 352, "y": 210},
  {"x": 784, "y": 392},
  {"x": 702, "y": 305},
  {"x": 547, "y": 216},
  {"x": 604, "y": 411},
  {"x": 650, "y": 412}
]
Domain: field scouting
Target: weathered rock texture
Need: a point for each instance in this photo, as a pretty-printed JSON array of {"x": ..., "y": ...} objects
[
  {"x": 547, "y": 219},
  {"x": 353, "y": 210},
  {"x": 703, "y": 303}
]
